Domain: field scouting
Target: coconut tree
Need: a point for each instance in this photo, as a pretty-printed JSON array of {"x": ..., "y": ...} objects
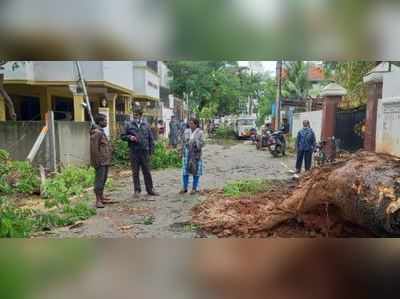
[{"x": 296, "y": 83}]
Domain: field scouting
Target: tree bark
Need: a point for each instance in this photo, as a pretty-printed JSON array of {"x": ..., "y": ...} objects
[
  {"x": 7, "y": 99},
  {"x": 365, "y": 189}
]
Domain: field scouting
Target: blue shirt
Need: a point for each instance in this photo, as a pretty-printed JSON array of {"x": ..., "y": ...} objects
[{"x": 306, "y": 140}]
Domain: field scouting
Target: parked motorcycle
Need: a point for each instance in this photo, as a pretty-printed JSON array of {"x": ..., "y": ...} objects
[
  {"x": 320, "y": 157},
  {"x": 262, "y": 139},
  {"x": 253, "y": 135},
  {"x": 277, "y": 144}
]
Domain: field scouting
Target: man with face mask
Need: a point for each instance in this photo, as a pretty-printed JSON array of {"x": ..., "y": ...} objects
[{"x": 141, "y": 143}]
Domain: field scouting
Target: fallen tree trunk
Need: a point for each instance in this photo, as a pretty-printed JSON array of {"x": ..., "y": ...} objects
[{"x": 364, "y": 190}]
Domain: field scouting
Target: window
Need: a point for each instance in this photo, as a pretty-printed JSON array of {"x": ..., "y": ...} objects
[
  {"x": 63, "y": 108},
  {"x": 246, "y": 122},
  {"x": 153, "y": 65},
  {"x": 30, "y": 108}
]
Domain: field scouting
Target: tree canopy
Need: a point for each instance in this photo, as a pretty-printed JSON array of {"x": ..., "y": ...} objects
[
  {"x": 350, "y": 75},
  {"x": 218, "y": 87}
]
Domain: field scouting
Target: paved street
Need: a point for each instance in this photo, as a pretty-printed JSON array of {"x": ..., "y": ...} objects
[{"x": 169, "y": 215}]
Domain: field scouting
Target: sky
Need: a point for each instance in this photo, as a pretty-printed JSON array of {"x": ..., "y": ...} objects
[{"x": 269, "y": 66}]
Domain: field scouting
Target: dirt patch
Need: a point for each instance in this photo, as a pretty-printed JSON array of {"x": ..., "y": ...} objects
[{"x": 359, "y": 197}]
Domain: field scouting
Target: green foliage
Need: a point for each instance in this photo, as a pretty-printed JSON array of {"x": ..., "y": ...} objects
[
  {"x": 149, "y": 220},
  {"x": 21, "y": 223},
  {"x": 14, "y": 222},
  {"x": 214, "y": 87},
  {"x": 28, "y": 181},
  {"x": 265, "y": 101},
  {"x": 165, "y": 158},
  {"x": 350, "y": 75},
  {"x": 245, "y": 188},
  {"x": 162, "y": 158},
  {"x": 296, "y": 84},
  {"x": 70, "y": 182},
  {"x": 120, "y": 153},
  {"x": 224, "y": 133},
  {"x": 17, "y": 176}
]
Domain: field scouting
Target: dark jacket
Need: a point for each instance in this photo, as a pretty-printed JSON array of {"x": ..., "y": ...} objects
[
  {"x": 305, "y": 140},
  {"x": 100, "y": 148},
  {"x": 142, "y": 132},
  {"x": 285, "y": 128}
]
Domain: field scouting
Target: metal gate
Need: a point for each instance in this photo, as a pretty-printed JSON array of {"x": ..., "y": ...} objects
[{"x": 350, "y": 128}]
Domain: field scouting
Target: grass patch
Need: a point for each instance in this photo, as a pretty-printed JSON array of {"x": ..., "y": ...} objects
[
  {"x": 162, "y": 158},
  {"x": 149, "y": 220},
  {"x": 224, "y": 133},
  {"x": 70, "y": 182},
  {"x": 22, "y": 222},
  {"x": 245, "y": 188},
  {"x": 120, "y": 153},
  {"x": 17, "y": 176},
  {"x": 21, "y": 178}
]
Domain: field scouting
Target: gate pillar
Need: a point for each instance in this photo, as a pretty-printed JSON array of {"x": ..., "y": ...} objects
[
  {"x": 332, "y": 94},
  {"x": 374, "y": 82}
]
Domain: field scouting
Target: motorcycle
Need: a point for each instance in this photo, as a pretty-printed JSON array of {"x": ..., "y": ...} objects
[
  {"x": 253, "y": 135},
  {"x": 262, "y": 140},
  {"x": 277, "y": 144},
  {"x": 320, "y": 157}
]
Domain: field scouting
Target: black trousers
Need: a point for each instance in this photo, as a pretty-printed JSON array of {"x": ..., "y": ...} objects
[
  {"x": 100, "y": 178},
  {"x": 307, "y": 157},
  {"x": 141, "y": 160}
]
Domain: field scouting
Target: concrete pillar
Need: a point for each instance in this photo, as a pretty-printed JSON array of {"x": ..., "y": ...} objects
[
  {"x": 127, "y": 105},
  {"x": 111, "y": 100},
  {"x": 45, "y": 102},
  {"x": 2, "y": 109},
  {"x": 79, "y": 109},
  {"x": 374, "y": 94},
  {"x": 374, "y": 82},
  {"x": 333, "y": 94}
]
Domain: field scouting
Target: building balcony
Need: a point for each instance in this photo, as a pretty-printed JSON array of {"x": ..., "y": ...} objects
[
  {"x": 119, "y": 73},
  {"x": 146, "y": 82}
]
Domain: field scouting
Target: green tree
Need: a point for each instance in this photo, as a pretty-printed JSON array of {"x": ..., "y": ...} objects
[
  {"x": 266, "y": 100},
  {"x": 350, "y": 75},
  {"x": 296, "y": 83},
  {"x": 217, "y": 86}
]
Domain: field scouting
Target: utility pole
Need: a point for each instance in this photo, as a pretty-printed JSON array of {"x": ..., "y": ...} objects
[{"x": 278, "y": 94}]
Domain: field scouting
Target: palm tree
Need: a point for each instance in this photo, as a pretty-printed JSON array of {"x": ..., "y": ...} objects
[{"x": 296, "y": 83}]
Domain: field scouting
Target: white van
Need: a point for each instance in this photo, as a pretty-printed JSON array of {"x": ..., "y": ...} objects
[{"x": 243, "y": 125}]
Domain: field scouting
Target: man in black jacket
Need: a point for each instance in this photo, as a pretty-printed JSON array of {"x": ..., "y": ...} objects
[{"x": 141, "y": 143}]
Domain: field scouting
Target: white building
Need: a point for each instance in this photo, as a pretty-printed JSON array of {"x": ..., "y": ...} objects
[{"x": 256, "y": 67}]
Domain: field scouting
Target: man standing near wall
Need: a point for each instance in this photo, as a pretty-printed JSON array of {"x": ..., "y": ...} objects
[
  {"x": 173, "y": 132},
  {"x": 100, "y": 156},
  {"x": 141, "y": 143},
  {"x": 305, "y": 145}
]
